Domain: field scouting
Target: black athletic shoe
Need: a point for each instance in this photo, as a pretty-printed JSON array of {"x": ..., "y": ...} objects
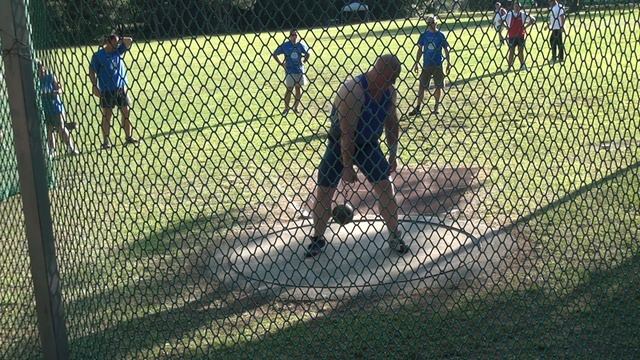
[
  {"x": 414, "y": 112},
  {"x": 131, "y": 140},
  {"x": 106, "y": 145},
  {"x": 315, "y": 248},
  {"x": 396, "y": 243}
]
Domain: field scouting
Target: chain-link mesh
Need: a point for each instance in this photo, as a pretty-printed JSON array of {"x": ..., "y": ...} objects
[
  {"x": 518, "y": 199},
  {"x": 18, "y": 327}
]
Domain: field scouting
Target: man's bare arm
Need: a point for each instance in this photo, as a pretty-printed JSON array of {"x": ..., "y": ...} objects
[
  {"x": 57, "y": 88},
  {"x": 127, "y": 41},
  {"x": 418, "y": 57},
  {"x": 348, "y": 104},
  {"x": 281, "y": 63},
  {"x": 94, "y": 82},
  {"x": 392, "y": 127}
]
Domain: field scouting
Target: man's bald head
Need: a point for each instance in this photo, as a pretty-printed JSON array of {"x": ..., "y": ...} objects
[
  {"x": 386, "y": 70},
  {"x": 388, "y": 62}
]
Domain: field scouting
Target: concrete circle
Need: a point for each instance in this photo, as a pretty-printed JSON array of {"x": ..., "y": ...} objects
[{"x": 356, "y": 258}]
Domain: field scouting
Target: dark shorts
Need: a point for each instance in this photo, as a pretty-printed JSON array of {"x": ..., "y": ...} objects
[
  {"x": 368, "y": 158},
  {"x": 516, "y": 41},
  {"x": 434, "y": 72},
  {"x": 111, "y": 99},
  {"x": 53, "y": 120}
]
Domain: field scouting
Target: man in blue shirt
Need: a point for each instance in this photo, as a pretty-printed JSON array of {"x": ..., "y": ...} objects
[
  {"x": 53, "y": 108},
  {"x": 108, "y": 76},
  {"x": 296, "y": 53},
  {"x": 430, "y": 46}
]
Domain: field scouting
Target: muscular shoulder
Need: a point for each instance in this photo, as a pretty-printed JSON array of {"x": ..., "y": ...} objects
[{"x": 350, "y": 89}]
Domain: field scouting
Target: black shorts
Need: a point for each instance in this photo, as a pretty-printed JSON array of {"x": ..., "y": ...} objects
[
  {"x": 516, "y": 41},
  {"x": 111, "y": 99},
  {"x": 53, "y": 120}
]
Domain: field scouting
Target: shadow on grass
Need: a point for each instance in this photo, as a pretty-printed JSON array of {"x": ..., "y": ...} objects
[
  {"x": 181, "y": 289},
  {"x": 598, "y": 319},
  {"x": 179, "y": 295}
]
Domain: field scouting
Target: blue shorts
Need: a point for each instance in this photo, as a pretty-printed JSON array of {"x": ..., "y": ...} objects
[{"x": 368, "y": 158}]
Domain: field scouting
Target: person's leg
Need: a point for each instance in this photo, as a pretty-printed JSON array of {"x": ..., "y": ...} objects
[
  {"x": 521, "y": 55},
  {"x": 126, "y": 122},
  {"x": 287, "y": 99},
  {"x": 389, "y": 212},
  {"x": 329, "y": 174},
  {"x": 51, "y": 139},
  {"x": 388, "y": 206},
  {"x": 372, "y": 162},
  {"x": 436, "y": 95},
  {"x": 511, "y": 54},
  {"x": 123, "y": 103},
  {"x": 107, "y": 113},
  {"x": 438, "y": 79},
  {"x": 322, "y": 209},
  {"x": 554, "y": 45},
  {"x": 298, "y": 96},
  {"x": 560, "y": 46},
  {"x": 66, "y": 136},
  {"x": 289, "y": 83},
  {"x": 423, "y": 83}
]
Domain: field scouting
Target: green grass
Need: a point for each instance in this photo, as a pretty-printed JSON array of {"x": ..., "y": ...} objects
[{"x": 137, "y": 226}]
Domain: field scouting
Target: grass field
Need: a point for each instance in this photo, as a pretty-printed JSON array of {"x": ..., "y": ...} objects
[{"x": 136, "y": 226}]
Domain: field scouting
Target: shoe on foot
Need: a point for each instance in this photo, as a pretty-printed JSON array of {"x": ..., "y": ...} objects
[
  {"x": 106, "y": 145},
  {"x": 396, "y": 243},
  {"x": 285, "y": 112},
  {"x": 131, "y": 140},
  {"x": 414, "y": 112},
  {"x": 74, "y": 152},
  {"x": 435, "y": 112},
  {"x": 524, "y": 67},
  {"x": 315, "y": 248}
]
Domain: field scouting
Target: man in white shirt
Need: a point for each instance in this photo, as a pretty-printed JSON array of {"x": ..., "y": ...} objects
[
  {"x": 498, "y": 19},
  {"x": 556, "y": 25}
]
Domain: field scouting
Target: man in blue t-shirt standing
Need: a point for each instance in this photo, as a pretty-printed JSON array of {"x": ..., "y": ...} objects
[
  {"x": 296, "y": 53},
  {"x": 430, "y": 46},
  {"x": 108, "y": 75}
]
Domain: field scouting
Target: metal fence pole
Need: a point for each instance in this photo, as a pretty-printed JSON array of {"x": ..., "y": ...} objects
[{"x": 16, "y": 53}]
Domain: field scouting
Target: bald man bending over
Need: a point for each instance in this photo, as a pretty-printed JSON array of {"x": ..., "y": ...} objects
[{"x": 363, "y": 107}]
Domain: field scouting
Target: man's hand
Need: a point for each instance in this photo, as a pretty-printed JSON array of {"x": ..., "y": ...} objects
[
  {"x": 416, "y": 68},
  {"x": 448, "y": 68},
  {"x": 96, "y": 91},
  {"x": 393, "y": 164},
  {"x": 349, "y": 175}
]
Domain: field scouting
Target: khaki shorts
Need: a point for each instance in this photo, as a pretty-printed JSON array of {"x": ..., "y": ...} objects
[
  {"x": 295, "y": 79},
  {"x": 434, "y": 72}
]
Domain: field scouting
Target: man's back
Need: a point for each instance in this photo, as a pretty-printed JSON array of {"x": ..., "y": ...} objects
[{"x": 371, "y": 112}]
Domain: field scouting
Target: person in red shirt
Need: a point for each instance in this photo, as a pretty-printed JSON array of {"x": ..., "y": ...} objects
[{"x": 517, "y": 22}]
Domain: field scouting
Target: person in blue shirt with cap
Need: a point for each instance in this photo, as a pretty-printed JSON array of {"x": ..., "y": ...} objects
[
  {"x": 296, "y": 53},
  {"x": 430, "y": 46}
]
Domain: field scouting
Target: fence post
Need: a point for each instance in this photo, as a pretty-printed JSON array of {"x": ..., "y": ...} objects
[{"x": 17, "y": 57}]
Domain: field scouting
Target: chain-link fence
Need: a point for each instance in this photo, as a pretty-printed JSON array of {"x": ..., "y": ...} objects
[
  {"x": 18, "y": 327},
  {"x": 199, "y": 148}
]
